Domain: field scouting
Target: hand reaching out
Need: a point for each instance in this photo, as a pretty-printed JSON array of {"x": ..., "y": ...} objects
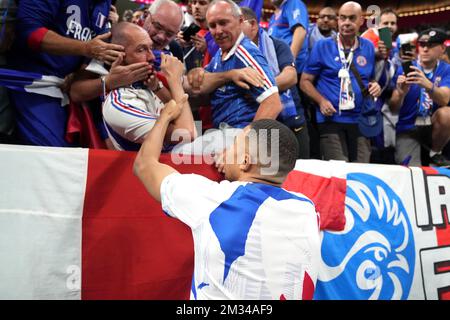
[
  {"x": 247, "y": 77},
  {"x": 98, "y": 49}
]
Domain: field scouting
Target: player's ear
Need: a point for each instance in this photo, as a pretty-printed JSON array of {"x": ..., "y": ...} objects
[{"x": 246, "y": 163}]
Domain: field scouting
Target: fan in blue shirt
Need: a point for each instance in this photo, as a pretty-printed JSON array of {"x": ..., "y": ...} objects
[
  {"x": 290, "y": 23},
  {"x": 422, "y": 98},
  {"x": 53, "y": 37},
  {"x": 238, "y": 79}
]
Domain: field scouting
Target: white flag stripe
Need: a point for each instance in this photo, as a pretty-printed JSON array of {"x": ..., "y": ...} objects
[{"x": 42, "y": 196}]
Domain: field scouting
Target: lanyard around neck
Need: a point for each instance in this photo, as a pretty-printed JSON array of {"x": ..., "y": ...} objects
[{"x": 346, "y": 62}]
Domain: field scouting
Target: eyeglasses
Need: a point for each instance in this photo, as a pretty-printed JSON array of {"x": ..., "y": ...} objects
[
  {"x": 160, "y": 29},
  {"x": 430, "y": 45},
  {"x": 352, "y": 18},
  {"x": 329, "y": 16}
]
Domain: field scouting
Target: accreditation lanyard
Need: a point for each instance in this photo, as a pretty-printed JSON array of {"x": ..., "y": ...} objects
[{"x": 346, "y": 95}]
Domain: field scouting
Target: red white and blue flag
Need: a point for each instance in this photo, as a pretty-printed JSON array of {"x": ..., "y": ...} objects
[{"x": 77, "y": 224}]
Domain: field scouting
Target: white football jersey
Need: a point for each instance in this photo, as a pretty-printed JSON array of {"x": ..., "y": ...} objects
[{"x": 251, "y": 240}]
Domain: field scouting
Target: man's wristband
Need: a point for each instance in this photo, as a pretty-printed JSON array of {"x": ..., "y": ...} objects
[{"x": 103, "y": 80}]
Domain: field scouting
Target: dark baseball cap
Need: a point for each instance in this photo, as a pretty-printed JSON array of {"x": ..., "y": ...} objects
[{"x": 433, "y": 35}]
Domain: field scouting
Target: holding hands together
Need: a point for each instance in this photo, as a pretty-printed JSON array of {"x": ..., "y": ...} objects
[
  {"x": 171, "y": 67},
  {"x": 172, "y": 109}
]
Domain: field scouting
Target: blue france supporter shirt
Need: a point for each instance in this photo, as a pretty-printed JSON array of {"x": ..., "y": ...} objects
[
  {"x": 230, "y": 103},
  {"x": 324, "y": 63},
  {"x": 292, "y": 14},
  {"x": 76, "y": 19},
  {"x": 408, "y": 112}
]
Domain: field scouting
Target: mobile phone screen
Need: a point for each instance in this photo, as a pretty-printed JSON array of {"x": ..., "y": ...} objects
[
  {"x": 386, "y": 37},
  {"x": 190, "y": 31},
  {"x": 406, "y": 67},
  {"x": 406, "y": 47}
]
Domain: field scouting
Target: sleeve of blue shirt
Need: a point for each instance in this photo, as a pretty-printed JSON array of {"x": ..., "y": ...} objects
[
  {"x": 260, "y": 64},
  {"x": 296, "y": 14},
  {"x": 445, "y": 80},
  {"x": 35, "y": 14},
  {"x": 284, "y": 54},
  {"x": 314, "y": 64}
]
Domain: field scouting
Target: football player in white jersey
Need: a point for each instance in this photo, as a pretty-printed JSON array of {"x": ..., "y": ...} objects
[{"x": 252, "y": 239}]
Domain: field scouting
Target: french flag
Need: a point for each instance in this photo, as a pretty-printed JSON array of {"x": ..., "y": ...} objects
[
  {"x": 33, "y": 83},
  {"x": 77, "y": 224}
]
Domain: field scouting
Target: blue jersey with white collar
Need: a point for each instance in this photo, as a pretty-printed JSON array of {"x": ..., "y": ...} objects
[
  {"x": 230, "y": 103},
  {"x": 324, "y": 63},
  {"x": 76, "y": 19},
  {"x": 409, "y": 110}
]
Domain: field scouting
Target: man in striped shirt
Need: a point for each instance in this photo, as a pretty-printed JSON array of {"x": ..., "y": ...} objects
[
  {"x": 238, "y": 81},
  {"x": 130, "y": 112}
]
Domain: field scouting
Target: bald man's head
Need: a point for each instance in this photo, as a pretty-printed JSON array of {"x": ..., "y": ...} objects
[
  {"x": 352, "y": 5},
  {"x": 123, "y": 32},
  {"x": 350, "y": 19},
  {"x": 137, "y": 42}
]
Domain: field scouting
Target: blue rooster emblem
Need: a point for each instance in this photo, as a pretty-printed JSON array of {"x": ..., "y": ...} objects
[{"x": 374, "y": 256}]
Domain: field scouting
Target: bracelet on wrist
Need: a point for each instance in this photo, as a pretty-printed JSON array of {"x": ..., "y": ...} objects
[{"x": 103, "y": 81}]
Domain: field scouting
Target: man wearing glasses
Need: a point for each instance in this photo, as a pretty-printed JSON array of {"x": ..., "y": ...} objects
[
  {"x": 163, "y": 24},
  {"x": 422, "y": 100},
  {"x": 325, "y": 27}
]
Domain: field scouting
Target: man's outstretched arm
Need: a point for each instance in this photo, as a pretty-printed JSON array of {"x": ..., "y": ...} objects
[
  {"x": 146, "y": 165},
  {"x": 201, "y": 82}
]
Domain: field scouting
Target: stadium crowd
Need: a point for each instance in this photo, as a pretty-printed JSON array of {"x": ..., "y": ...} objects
[{"x": 75, "y": 74}]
